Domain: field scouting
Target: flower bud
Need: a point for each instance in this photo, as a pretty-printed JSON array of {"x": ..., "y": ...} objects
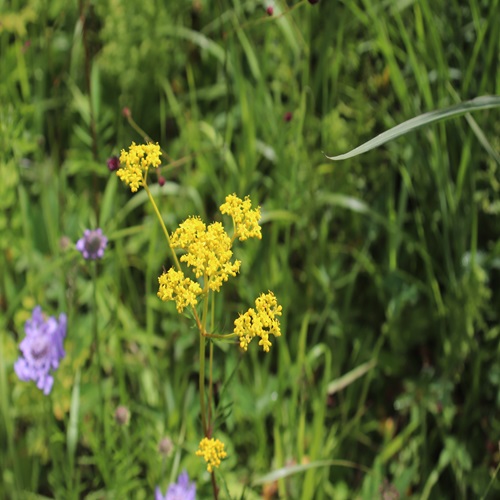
[
  {"x": 113, "y": 163},
  {"x": 165, "y": 446},
  {"x": 122, "y": 415}
]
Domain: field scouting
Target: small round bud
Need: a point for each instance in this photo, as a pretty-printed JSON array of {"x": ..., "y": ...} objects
[
  {"x": 287, "y": 116},
  {"x": 161, "y": 180},
  {"x": 122, "y": 415},
  {"x": 270, "y": 10},
  {"x": 165, "y": 446},
  {"x": 64, "y": 243},
  {"x": 113, "y": 163},
  {"x": 126, "y": 112}
]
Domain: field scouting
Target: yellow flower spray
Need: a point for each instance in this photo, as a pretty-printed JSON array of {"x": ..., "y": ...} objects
[{"x": 204, "y": 266}]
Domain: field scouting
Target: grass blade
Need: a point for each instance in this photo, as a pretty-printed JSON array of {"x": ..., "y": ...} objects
[{"x": 483, "y": 102}]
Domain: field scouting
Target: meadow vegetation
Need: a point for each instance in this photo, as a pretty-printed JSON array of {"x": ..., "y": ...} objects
[{"x": 385, "y": 380}]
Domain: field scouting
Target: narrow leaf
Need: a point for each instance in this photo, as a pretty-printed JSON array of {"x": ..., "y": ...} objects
[
  {"x": 483, "y": 102},
  {"x": 347, "y": 379},
  {"x": 290, "y": 470}
]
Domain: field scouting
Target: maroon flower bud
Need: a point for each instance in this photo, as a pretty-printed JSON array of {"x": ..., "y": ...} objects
[
  {"x": 113, "y": 163},
  {"x": 161, "y": 180},
  {"x": 126, "y": 112},
  {"x": 270, "y": 10},
  {"x": 287, "y": 116}
]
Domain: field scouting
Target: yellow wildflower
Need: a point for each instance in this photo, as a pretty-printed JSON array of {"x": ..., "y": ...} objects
[
  {"x": 259, "y": 322},
  {"x": 208, "y": 251},
  {"x": 246, "y": 220},
  {"x": 134, "y": 164},
  {"x": 175, "y": 286},
  {"x": 212, "y": 450}
]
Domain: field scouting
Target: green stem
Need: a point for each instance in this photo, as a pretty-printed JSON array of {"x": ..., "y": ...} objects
[
  {"x": 211, "y": 363},
  {"x": 162, "y": 224},
  {"x": 210, "y": 382},
  {"x": 199, "y": 324},
  {"x": 202, "y": 385},
  {"x": 204, "y": 420},
  {"x": 223, "y": 336},
  {"x": 144, "y": 135},
  {"x": 97, "y": 349}
]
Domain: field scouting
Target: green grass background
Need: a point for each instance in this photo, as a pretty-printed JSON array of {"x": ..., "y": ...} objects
[{"x": 386, "y": 378}]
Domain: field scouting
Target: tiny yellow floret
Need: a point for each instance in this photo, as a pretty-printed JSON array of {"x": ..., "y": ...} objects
[
  {"x": 212, "y": 450},
  {"x": 134, "y": 164},
  {"x": 246, "y": 220},
  {"x": 259, "y": 322}
]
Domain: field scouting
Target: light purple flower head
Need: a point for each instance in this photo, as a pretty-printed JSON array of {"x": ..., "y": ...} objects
[
  {"x": 42, "y": 349},
  {"x": 181, "y": 490},
  {"x": 92, "y": 245}
]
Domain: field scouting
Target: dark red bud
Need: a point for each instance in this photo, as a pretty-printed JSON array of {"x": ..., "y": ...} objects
[
  {"x": 113, "y": 163},
  {"x": 270, "y": 11},
  {"x": 287, "y": 116}
]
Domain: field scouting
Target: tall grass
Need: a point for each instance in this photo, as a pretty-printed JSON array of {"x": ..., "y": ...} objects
[{"x": 386, "y": 263}]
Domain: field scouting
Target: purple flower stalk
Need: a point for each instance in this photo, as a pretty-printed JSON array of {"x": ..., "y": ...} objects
[
  {"x": 92, "y": 245},
  {"x": 181, "y": 490},
  {"x": 42, "y": 349}
]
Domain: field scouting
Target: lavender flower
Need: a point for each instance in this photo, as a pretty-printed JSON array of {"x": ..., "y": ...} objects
[
  {"x": 92, "y": 245},
  {"x": 42, "y": 349},
  {"x": 181, "y": 490}
]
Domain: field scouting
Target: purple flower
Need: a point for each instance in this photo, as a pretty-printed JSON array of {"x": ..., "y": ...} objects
[
  {"x": 181, "y": 490},
  {"x": 92, "y": 245},
  {"x": 42, "y": 349}
]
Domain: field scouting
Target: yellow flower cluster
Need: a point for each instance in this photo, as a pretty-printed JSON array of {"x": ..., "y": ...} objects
[
  {"x": 208, "y": 251},
  {"x": 259, "y": 322},
  {"x": 212, "y": 450},
  {"x": 175, "y": 286},
  {"x": 246, "y": 220},
  {"x": 135, "y": 163}
]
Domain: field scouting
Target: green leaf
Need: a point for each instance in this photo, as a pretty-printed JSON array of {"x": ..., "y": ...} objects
[
  {"x": 290, "y": 470},
  {"x": 350, "y": 377},
  {"x": 483, "y": 102}
]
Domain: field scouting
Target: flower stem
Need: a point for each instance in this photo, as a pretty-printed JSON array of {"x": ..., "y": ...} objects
[
  {"x": 202, "y": 385},
  {"x": 214, "y": 486},
  {"x": 162, "y": 224},
  {"x": 205, "y": 422},
  {"x": 211, "y": 363},
  {"x": 210, "y": 382},
  {"x": 97, "y": 350}
]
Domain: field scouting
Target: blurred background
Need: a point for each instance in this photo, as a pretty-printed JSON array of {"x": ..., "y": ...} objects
[{"x": 385, "y": 383}]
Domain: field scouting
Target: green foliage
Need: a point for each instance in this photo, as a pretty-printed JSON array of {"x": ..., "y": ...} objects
[{"x": 386, "y": 378}]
